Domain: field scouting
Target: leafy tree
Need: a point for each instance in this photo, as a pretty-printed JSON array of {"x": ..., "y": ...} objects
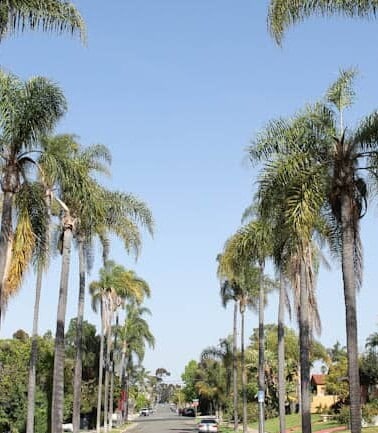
[{"x": 189, "y": 379}]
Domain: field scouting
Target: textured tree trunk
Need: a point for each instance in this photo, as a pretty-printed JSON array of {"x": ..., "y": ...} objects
[
  {"x": 123, "y": 377},
  {"x": 100, "y": 369},
  {"x": 235, "y": 365},
  {"x": 58, "y": 374},
  {"x": 261, "y": 352},
  {"x": 281, "y": 356},
  {"x": 244, "y": 375},
  {"x": 6, "y": 241},
  {"x": 304, "y": 350},
  {"x": 106, "y": 385},
  {"x": 112, "y": 374},
  {"x": 349, "y": 280},
  {"x": 79, "y": 339},
  {"x": 33, "y": 355},
  {"x": 127, "y": 395}
]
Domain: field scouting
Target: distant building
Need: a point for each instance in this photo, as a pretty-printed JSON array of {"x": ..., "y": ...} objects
[{"x": 320, "y": 400}]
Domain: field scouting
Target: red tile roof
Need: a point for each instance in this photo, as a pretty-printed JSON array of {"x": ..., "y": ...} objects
[{"x": 318, "y": 379}]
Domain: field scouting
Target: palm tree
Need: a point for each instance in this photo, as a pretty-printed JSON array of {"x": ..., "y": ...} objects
[
  {"x": 114, "y": 279},
  {"x": 56, "y": 149},
  {"x": 244, "y": 286},
  {"x": 28, "y": 110},
  {"x": 328, "y": 161},
  {"x": 254, "y": 245},
  {"x": 285, "y": 13},
  {"x": 57, "y": 16},
  {"x": 76, "y": 188},
  {"x": 120, "y": 214},
  {"x": 123, "y": 294},
  {"x": 230, "y": 290},
  {"x": 134, "y": 335},
  {"x": 88, "y": 213},
  {"x": 372, "y": 341}
]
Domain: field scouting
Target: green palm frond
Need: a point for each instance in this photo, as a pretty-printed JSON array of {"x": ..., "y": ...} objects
[
  {"x": 283, "y": 14},
  {"x": 22, "y": 250},
  {"x": 58, "y": 16},
  {"x": 28, "y": 110},
  {"x": 32, "y": 199},
  {"x": 366, "y": 134},
  {"x": 341, "y": 93}
]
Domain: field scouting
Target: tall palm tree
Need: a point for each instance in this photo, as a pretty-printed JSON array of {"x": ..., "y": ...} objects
[
  {"x": 76, "y": 188},
  {"x": 243, "y": 285},
  {"x": 230, "y": 290},
  {"x": 118, "y": 213},
  {"x": 285, "y": 13},
  {"x": 134, "y": 335},
  {"x": 330, "y": 163},
  {"x": 140, "y": 286},
  {"x": 56, "y": 149},
  {"x": 113, "y": 279},
  {"x": 56, "y": 16},
  {"x": 254, "y": 243},
  {"x": 87, "y": 214},
  {"x": 28, "y": 110}
]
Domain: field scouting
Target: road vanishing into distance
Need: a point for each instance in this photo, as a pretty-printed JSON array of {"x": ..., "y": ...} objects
[{"x": 164, "y": 420}]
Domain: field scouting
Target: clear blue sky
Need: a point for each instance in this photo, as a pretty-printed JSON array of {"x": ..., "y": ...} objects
[{"x": 177, "y": 89}]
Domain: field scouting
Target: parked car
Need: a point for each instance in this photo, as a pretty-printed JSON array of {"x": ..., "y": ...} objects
[
  {"x": 208, "y": 425},
  {"x": 188, "y": 411},
  {"x": 144, "y": 412}
]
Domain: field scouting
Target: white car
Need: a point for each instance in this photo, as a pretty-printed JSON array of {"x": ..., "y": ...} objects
[{"x": 208, "y": 425}]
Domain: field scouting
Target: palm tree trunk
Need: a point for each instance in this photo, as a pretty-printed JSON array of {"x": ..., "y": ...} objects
[
  {"x": 127, "y": 396},
  {"x": 106, "y": 386},
  {"x": 100, "y": 369},
  {"x": 33, "y": 354},
  {"x": 281, "y": 356},
  {"x": 304, "y": 350},
  {"x": 261, "y": 353},
  {"x": 58, "y": 375},
  {"x": 6, "y": 240},
  {"x": 235, "y": 366},
  {"x": 79, "y": 339},
  {"x": 111, "y": 391},
  {"x": 112, "y": 374},
  {"x": 349, "y": 281},
  {"x": 244, "y": 375},
  {"x": 123, "y": 377}
]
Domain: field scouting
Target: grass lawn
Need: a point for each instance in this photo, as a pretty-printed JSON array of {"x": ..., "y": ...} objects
[{"x": 293, "y": 423}]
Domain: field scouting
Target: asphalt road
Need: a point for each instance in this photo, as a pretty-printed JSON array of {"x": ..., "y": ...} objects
[{"x": 163, "y": 421}]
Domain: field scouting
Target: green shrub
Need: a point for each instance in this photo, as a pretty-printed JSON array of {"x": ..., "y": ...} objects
[
  {"x": 343, "y": 417},
  {"x": 370, "y": 410}
]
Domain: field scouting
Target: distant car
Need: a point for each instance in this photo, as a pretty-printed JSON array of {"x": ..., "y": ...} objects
[
  {"x": 144, "y": 412},
  {"x": 208, "y": 425},
  {"x": 188, "y": 411}
]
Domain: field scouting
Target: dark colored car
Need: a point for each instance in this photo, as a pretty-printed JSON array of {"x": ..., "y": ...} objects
[{"x": 188, "y": 411}]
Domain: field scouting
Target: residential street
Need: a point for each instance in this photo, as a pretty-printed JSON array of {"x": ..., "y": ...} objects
[{"x": 163, "y": 421}]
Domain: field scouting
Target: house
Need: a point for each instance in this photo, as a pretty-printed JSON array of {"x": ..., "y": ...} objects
[
  {"x": 320, "y": 400},
  {"x": 318, "y": 384}
]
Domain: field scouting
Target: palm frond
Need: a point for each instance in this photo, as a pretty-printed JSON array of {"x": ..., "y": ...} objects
[
  {"x": 23, "y": 245},
  {"x": 56, "y": 16},
  {"x": 283, "y": 14},
  {"x": 341, "y": 93}
]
